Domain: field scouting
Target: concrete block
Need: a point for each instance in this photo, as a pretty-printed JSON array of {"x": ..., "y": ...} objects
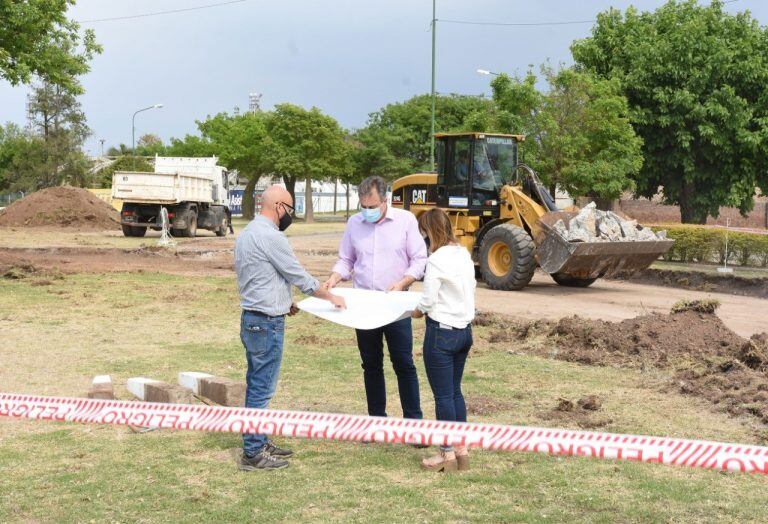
[
  {"x": 102, "y": 388},
  {"x": 167, "y": 393},
  {"x": 191, "y": 380},
  {"x": 137, "y": 386},
  {"x": 224, "y": 391}
]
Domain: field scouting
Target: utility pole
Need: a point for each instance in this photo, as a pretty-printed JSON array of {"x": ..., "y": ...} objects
[
  {"x": 432, "y": 128},
  {"x": 102, "y": 146}
]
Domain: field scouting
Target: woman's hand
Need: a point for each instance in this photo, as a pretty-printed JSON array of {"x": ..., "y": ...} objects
[{"x": 417, "y": 313}]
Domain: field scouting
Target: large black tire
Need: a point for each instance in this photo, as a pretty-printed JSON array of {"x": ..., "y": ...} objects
[
  {"x": 127, "y": 230},
  {"x": 507, "y": 257},
  {"x": 139, "y": 231},
  {"x": 568, "y": 281},
  {"x": 223, "y": 228},
  {"x": 191, "y": 229}
]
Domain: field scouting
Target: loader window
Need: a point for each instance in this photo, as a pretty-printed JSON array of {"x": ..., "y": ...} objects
[
  {"x": 494, "y": 162},
  {"x": 457, "y": 178}
]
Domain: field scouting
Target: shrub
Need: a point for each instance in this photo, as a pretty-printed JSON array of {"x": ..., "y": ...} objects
[{"x": 705, "y": 244}]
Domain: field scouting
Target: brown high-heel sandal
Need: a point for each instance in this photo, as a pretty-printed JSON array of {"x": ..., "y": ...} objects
[
  {"x": 444, "y": 461},
  {"x": 462, "y": 457}
]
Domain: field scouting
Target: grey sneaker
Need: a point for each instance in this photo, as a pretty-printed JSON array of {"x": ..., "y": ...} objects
[
  {"x": 281, "y": 453},
  {"x": 262, "y": 460}
]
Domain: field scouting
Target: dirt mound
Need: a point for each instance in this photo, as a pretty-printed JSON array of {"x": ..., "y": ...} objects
[
  {"x": 655, "y": 339},
  {"x": 67, "y": 207},
  {"x": 692, "y": 347},
  {"x": 705, "y": 358}
]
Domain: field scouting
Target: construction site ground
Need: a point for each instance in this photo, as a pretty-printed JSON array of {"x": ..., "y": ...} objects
[
  {"x": 74, "y": 304},
  {"x": 316, "y": 246}
]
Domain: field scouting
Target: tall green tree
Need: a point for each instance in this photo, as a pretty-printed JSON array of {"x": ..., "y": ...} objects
[
  {"x": 696, "y": 79},
  {"x": 58, "y": 118},
  {"x": 578, "y": 134},
  {"x": 585, "y": 142},
  {"x": 150, "y": 145},
  {"x": 396, "y": 138},
  {"x": 37, "y": 39},
  {"x": 238, "y": 141},
  {"x": 305, "y": 144},
  {"x": 21, "y": 158}
]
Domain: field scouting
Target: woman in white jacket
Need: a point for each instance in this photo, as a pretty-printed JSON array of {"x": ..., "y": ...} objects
[{"x": 448, "y": 301}]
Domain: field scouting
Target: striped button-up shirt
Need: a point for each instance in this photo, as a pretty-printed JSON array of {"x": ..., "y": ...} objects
[{"x": 266, "y": 268}]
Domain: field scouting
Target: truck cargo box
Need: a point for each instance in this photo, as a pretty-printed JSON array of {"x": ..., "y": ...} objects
[{"x": 162, "y": 188}]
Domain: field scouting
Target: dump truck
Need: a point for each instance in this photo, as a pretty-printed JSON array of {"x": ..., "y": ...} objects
[
  {"x": 192, "y": 190},
  {"x": 505, "y": 217}
]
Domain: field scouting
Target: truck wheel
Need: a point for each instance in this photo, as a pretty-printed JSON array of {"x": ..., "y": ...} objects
[
  {"x": 221, "y": 231},
  {"x": 569, "y": 281},
  {"x": 127, "y": 230},
  {"x": 191, "y": 230},
  {"x": 507, "y": 257},
  {"x": 139, "y": 231}
]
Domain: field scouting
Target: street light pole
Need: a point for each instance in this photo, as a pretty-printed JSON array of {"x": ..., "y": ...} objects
[
  {"x": 432, "y": 128},
  {"x": 133, "y": 130}
]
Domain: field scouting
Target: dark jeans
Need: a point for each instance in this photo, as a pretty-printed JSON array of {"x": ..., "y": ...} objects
[
  {"x": 445, "y": 353},
  {"x": 262, "y": 337},
  {"x": 399, "y": 338}
]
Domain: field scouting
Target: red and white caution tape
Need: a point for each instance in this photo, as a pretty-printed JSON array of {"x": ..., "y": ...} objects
[{"x": 680, "y": 452}]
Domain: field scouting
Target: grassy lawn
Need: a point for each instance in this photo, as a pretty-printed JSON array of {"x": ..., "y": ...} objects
[{"x": 56, "y": 337}]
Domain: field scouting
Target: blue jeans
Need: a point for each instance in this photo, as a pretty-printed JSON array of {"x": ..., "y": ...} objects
[
  {"x": 399, "y": 338},
  {"x": 262, "y": 337},
  {"x": 445, "y": 353}
]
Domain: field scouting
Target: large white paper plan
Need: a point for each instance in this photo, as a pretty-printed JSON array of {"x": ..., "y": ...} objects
[{"x": 366, "y": 309}]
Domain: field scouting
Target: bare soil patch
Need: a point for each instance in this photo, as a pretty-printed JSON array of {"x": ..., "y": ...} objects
[
  {"x": 583, "y": 412},
  {"x": 701, "y": 355},
  {"x": 482, "y": 405},
  {"x": 66, "y": 207},
  {"x": 700, "y": 281}
]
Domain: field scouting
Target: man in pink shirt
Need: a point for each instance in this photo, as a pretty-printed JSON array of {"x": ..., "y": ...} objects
[{"x": 382, "y": 249}]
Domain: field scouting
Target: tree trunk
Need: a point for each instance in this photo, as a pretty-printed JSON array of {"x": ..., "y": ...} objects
[
  {"x": 766, "y": 210},
  {"x": 249, "y": 203},
  {"x": 290, "y": 185},
  {"x": 689, "y": 213},
  {"x": 335, "y": 191},
  {"x": 308, "y": 212},
  {"x": 553, "y": 191}
]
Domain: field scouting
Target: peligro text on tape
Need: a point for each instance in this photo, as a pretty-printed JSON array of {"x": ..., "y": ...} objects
[{"x": 680, "y": 452}]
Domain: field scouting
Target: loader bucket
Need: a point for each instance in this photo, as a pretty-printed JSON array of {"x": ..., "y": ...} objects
[{"x": 586, "y": 260}]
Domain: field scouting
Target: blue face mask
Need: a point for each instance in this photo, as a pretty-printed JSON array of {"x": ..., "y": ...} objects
[{"x": 372, "y": 215}]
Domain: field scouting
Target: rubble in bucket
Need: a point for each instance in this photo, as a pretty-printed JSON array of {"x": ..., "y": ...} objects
[{"x": 593, "y": 225}]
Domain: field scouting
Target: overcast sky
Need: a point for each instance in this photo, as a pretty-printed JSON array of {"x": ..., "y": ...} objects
[{"x": 347, "y": 57}]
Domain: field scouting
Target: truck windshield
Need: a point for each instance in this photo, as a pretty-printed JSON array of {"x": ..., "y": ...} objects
[{"x": 494, "y": 163}]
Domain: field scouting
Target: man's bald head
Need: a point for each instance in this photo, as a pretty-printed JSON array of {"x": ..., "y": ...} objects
[
  {"x": 274, "y": 195},
  {"x": 271, "y": 199}
]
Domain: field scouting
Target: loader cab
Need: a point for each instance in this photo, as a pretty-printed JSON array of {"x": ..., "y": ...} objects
[{"x": 472, "y": 168}]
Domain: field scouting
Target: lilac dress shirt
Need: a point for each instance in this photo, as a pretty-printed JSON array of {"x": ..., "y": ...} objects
[{"x": 379, "y": 255}]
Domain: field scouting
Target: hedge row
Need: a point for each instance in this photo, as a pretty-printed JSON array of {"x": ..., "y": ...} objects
[{"x": 701, "y": 244}]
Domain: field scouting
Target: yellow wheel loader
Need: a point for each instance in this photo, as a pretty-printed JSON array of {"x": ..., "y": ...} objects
[{"x": 504, "y": 216}]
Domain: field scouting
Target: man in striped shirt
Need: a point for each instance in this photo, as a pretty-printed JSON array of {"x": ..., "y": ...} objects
[{"x": 266, "y": 269}]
